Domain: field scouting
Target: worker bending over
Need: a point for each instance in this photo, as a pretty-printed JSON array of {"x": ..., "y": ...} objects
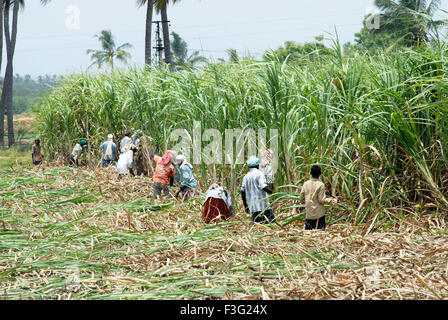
[
  {"x": 218, "y": 204},
  {"x": 187, "y": 182},
  {"x": 163, "y": 176},
  {"x": 76, "y": 153}
]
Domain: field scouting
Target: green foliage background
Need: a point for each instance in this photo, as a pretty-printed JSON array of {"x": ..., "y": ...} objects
[{"x": 378, "y": 124}]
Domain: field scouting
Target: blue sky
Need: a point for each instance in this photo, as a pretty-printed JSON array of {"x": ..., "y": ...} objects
[{"x": 46, "y": 45}]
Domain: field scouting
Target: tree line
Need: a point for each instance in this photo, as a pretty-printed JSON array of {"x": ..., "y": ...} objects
[
  {"x": 403, "y": 23},
  {"x": 28, "y": 92}
]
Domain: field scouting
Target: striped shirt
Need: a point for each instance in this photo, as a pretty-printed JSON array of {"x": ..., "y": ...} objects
[{"x": 253, "y": 184}]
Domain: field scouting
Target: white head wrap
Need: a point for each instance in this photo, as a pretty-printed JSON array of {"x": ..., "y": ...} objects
[{"x": 182, "y": 161}]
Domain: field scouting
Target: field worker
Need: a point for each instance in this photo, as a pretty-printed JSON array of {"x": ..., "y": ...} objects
[
  {"x": 126, "y": 140},
  {"x": 176, "y": 181},
  {"x": 36, "y": 155},
  {"x": 266, "y": 167},
  {"x": 187, "y": 181},
  {"x": 125, "y": 160},
  {"x": 218, "y": 204},
  {"x": 163, "y": 176},
  {"x": 109, "y": 151},
  {"x": 76, "y": 153},
  {"x": 254, "y": 192},
  {"x": 135, "y": 138},
  {"x": 313, "y": 194}
]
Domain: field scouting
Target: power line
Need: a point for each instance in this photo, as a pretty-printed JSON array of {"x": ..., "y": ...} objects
[
  {"x": 192, "y": 26},
  {"x": 206, "y": 37},
  {"x": 221, "y": 51},
  {"x": 270, "y": 20},
  {"x": 266, "y": 32}
]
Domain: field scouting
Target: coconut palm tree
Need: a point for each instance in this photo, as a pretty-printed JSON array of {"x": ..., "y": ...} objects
[
  {"x": 180, "y": 53},
  {"x": 2, "y": 6},
  {"x": 10, "y": 32},
  {"x": 411, "y": 19},
  {"x": 110, "y": 50},
  {"x": 149, "y": 11}
]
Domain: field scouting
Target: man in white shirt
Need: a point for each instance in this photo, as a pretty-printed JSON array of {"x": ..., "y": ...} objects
[
  {"x": 76, "y": 153},
  {"x": 254, "y": 191},
  {"x": 125, "y": 141}
]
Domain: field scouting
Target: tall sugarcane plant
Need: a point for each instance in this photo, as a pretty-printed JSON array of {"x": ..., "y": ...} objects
[{"x": 377, "y": 124}]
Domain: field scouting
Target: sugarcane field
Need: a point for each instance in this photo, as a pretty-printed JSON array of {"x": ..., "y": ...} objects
[{"x": 310, "y": 170}]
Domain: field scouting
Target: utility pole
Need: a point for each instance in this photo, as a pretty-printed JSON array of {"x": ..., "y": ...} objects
[{"x": 159, "y": 47}]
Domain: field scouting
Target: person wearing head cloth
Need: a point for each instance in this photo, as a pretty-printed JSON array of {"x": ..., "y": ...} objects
[
  {"x": 109, "y": 151},
  {"x": 254, "y": 191},
  {"x": 176, "y": 169},
  {"x": 218, "y": 204},
  {"x": 186, "y": 179},
  {"x": 76, "y": 153},
  {"x": 127, "y": 140},
  {"x": 266, "y": 167},
  {"x": 125, "y": 160},
  {"x": 36, "y": 154},
  {"x": 163, "y": 176}
]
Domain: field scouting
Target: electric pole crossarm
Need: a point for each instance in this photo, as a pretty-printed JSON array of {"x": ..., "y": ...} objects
[{"x": 159, "y": 47}]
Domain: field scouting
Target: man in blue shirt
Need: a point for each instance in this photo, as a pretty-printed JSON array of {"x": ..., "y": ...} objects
[
  {"x": 187, "y": 181},
  {"x": 109, "y": 151}
]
